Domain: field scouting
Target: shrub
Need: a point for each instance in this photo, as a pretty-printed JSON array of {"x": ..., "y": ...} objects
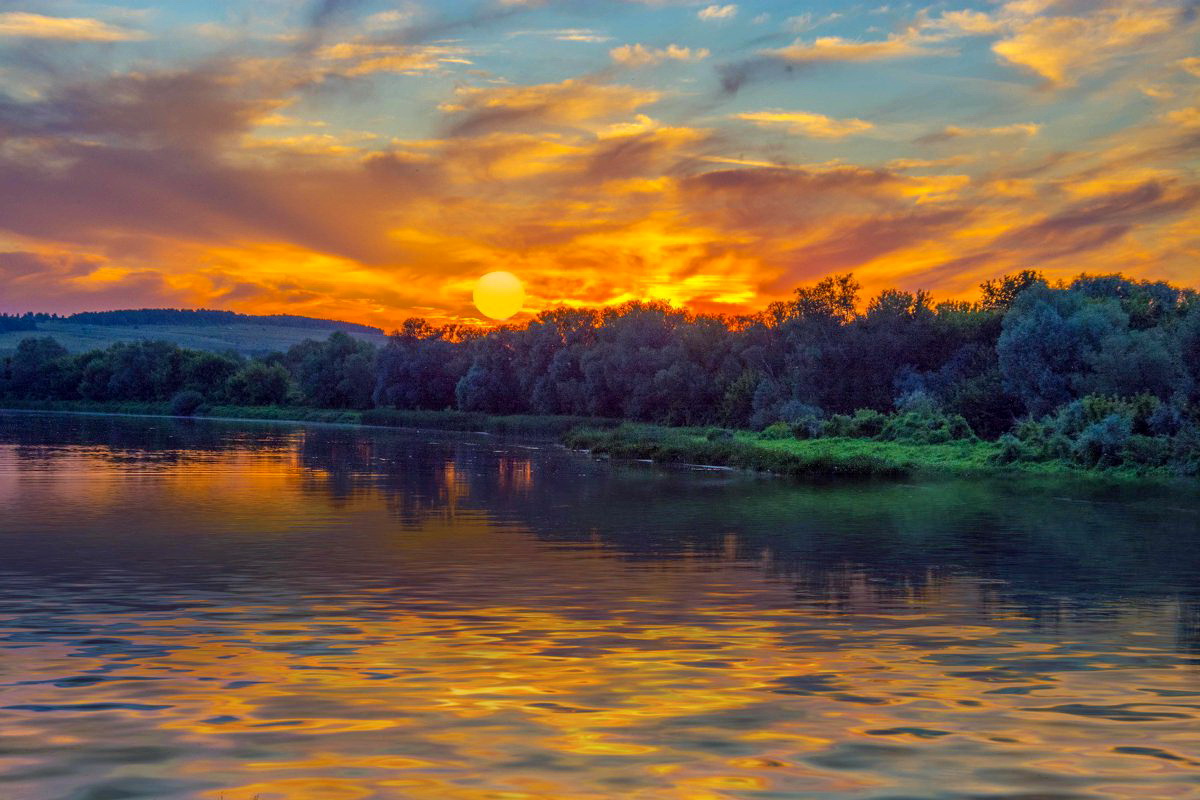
[
  {"x": 1166, "y": 420},
  {"x": 1185, "y": 460},
  {"x": 186, "y": 403},
  {"x": 778, "y": 430},
  {"x": 1148, "y": 451},
  {"x": 805, "y": 419},
  {"x": 927, "y": 427},
  {"x": 1102, "y": 443},
  {"x": 1012, "y": 450},
  {"x": 1030, "y": 431},
  {"x": 917, "y": 401},
  {"x": 718, "y": 435},
  {"x": 866, "y": 423}
]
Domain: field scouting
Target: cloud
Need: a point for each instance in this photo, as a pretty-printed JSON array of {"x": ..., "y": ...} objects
[
  {"x": 363, "y": 58},
  {"x": 808, "y": 124},
  {"x": 1184, "y": 117},
  {"x": 1098, "y": 221},
  {"x": 801, "y": 56},
  {"x": 638, "y": 55},
  {"x": 79, "y": 29},
  {"x": 967, "y": 23},
  {"x": 1027, "y": 129},
  {"x": 715, "y": 12},
  {"x": 237, "y": 181},
  {"x": 1190, "y": 65},
  {"x": 571, "y": 102},
  {"x": 807, "y": 21},
  {"x": 1060, "y": 48},
  {"x": 835, "y": 48}
]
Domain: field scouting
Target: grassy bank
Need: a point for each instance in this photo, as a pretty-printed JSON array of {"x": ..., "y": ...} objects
[
  {"x": 524, "y": 424},
  {"x": 858, "y": 457},
  {"x": 829, "y": 456}
]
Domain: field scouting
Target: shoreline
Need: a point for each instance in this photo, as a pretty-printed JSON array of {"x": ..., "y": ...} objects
[{"x": 809, "y": 459}]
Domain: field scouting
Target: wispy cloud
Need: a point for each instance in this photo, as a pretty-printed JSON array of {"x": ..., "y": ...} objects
[
  {"x": 716, "y": 12},
  {"x": 639, "y": 55},
  {"x": 369, "y": 171},
  {"x": 808, "y": 124},
  {"x": 1024, "y": 129},
  {"x": 364, "y": 58},
  {"x": 80, "y": 29},
  {"x": 478, "y": 111},
  {"x": 836, "y": 48}
]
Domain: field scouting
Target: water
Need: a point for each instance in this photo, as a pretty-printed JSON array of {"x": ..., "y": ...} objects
[{"x": 236, "y": 611}]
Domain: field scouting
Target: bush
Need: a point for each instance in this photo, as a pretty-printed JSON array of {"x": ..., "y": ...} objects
[
  {"x": 917, "y": 401},
  {"x": 804, "y": 419},
  {"x": 1185, "y": 460},
  {"x": 778, "y": 430},
  {"x": 1166, "y": 420},
  {"x": 1103, "y": 443},
  {"x": 1148, "y": 451},
  {"x": 866, "y": 423},
  {"x": 1012, "y": 450},
  {"x": 186, "y": 403},
  {"x": 718, "y": 435},
  {"x": 927, "y": 427}
]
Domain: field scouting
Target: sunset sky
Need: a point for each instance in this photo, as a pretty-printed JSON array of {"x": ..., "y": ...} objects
[{"x": 369, "y": 160}]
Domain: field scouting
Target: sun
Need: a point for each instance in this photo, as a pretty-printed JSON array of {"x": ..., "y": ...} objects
[{"x": 499, "y": 295}]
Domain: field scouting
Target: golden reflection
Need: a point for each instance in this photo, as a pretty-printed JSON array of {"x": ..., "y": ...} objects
[{"x": 526, "y": 670}]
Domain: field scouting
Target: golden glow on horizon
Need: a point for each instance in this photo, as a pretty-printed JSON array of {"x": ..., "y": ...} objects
[
  {"x": 499, "y": 295},
  {"x": 645, "y": 173}
]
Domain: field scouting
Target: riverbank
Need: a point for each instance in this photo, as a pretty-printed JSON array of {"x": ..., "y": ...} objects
[
  {"x": 832, "y": 456},
  {"x": 522, "y": 424},
  {"x": 762, "y": 452}
]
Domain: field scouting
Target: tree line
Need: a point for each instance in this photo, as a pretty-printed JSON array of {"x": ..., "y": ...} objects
[
  {"x": 17, "y": 322},
  {"x": 1098, "y": 349},
  {"x": 209, "y": 317}
]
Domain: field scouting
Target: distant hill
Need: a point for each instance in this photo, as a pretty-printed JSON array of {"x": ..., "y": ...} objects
[
  {"x": 204, "y": 317},
  {"x": 201, "y": 329}
]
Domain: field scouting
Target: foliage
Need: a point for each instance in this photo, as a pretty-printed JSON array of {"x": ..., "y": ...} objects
[
  {"x": 182, "y": 316},
  {"x": 336, "y": 373},
  {"x": 1099, "y": 373},
  {"x": 259, "y": 384},
  {"x": 865, "y": 423},
  {"x": 17, "y": 322},
  {"x": 186, "y": 403}
]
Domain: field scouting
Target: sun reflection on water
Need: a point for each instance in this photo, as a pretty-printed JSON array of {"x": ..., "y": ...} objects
[{"x": 366, "y": 639}]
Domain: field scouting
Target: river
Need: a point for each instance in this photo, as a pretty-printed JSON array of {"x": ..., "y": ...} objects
[{"x": 230, "y": 611}]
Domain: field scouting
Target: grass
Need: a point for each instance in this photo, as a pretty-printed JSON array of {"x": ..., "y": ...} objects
[
  {"x": 864, "y": 458},
  {"x": 245, "y": 338},
  {"x": 808, "y": 458},
  {"x": 523, "y": 424}
]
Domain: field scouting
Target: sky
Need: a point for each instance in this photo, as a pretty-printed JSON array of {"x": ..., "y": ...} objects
[{"x": 368, "y": 160}]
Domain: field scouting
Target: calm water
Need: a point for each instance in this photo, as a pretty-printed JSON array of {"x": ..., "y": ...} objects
[{"x": 221, "y": 610}]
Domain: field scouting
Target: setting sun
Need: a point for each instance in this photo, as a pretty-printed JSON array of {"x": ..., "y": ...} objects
[{"x": 499, "y": 295}]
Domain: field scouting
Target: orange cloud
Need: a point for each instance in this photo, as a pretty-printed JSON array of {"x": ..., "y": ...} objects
[
  {"x": 808, "y": 124},
  {"x": 79, "y": 29},
  {"x": 571, "y": 102},
  {"x": 1060, "y": 48},
  {"x": 363, "y": 58},
  {"x": 223, "y": 184}
]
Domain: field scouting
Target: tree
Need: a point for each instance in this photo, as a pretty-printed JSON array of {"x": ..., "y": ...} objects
[
  {"x": 336, "y": 373},
  {"x": 417, "y": 368},
  {"x": 41, "y": 369},
  {"x": 1001, "y": 293},
  {"x": 259, "y": 384}
]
